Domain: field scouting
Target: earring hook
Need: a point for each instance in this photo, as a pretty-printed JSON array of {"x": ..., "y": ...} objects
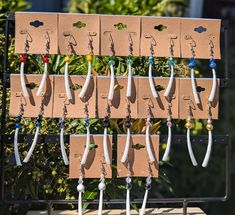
[
  {"x": 47, "y": 44},
  {"x": 152, "y": 42},
  {"x": 111, "y": 45}
]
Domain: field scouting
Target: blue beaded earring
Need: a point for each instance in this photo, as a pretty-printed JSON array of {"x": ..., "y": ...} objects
[
  {"x": 38, "y": 125},
  {"x": 17, "y": 128}
]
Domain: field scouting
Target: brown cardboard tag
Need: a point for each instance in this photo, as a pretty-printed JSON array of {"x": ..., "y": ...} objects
[
  {"x": 138, "y": 156},
  {"x": 186, "y": 98},
  {"x": 32, "y": 103},
  {"x": 75, "y": 107},
  {"x": 121, "y": 30},
  {"x": 160, "y": 32},
  {"x": 92, "y": 168},
  {"x": 79, "y": 29},
  {"x": 199, "y": 32},
  {"x": 119, "y": 102},
  {"x": 36, "y": 28},
  {"x": 158, "y": 105}
]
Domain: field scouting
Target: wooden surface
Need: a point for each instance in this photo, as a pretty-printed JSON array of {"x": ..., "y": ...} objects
[{"x": 161, "y": 211}]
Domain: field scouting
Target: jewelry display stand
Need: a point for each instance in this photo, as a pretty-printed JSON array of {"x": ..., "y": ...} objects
[{"x": 176, "y": 139}]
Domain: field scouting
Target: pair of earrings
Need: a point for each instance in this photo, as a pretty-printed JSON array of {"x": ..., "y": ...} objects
[
  {"x": 209, "y": 126},
  {"x": 25, "y": 93}
]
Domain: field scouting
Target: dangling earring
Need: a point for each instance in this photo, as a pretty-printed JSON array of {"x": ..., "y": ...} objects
[
  {"x": 80, "y": 189},
  {"x": 129, "y": 62},
  {"x": 212, "y": 65},
  {"x": 169, "y": 125},
  {"x": 23, "y": 60},
  {"x": 147, "y": 135},
  {"x": 88, "y": 139},
  {"x": 128, "y": 189},
  {"x": 66, "y": 70},
  {"x": 209, "y": 127},
  {"x": 105, "y": 136},
  {"x": 147, "y": 188},
  {"x": 150, "y": 75},
  {"x": 101, "y": 188},
  {"x": 17, "y": 127},
  {"x": 38, "y": 126},
  {"x": 89, "y": 60},
  {"x": 171, "y": 64},
  {"x": 189, "y": 126},
  {"x": 192, "y": 65},
  {"x": 46, "y": 61},
  {"x": 128, "y": 136},
  {"x": 62, "y": 147},
  {"x": 112, "y": 74}
]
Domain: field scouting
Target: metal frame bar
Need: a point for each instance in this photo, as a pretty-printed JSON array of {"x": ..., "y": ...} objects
[{"x": 177, "y": 139}]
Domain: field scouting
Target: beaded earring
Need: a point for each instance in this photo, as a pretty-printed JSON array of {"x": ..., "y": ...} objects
[
  {"x": 128, "y": 189},
  {"x": 209, "y": 128},
  {"x": 88, "y": 139},
  {"x": 62, "y": 146},
  {"x": 150, "y": 75},
  {"x": 17, "y": 127},
  {"x": 112, "y": 74},
  {"x": 80, "y": 189},
  {"x": 38, "y": 126},
  {"x": 23, "y": 60},
  {"x": 89, "y": 59},
  {"x": 46, "y": 61},
  {"x": 147, "y": 188},
  {"x": 147, "y": 135},
  {"x": 128, "y": 136},
  {"x": 105, "y": 136},
  {"x": 169, "y": 125},
  {"x": 189, "y": 126},
  {"x": 212, "y": 65},
  {"x": 66, "y": 69},
  {"x": 192, "y": 65},
  {"x": 101, "y": 188},
  {"x": 171, "y": 64}
]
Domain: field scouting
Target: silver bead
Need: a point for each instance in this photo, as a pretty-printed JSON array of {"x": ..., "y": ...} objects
[
  {"x": 101, "y": 186},
  {"x": 80, "y": 188}
]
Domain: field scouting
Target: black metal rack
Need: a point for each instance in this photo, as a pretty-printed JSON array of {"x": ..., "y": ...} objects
[{"x": 177, "y": 139}]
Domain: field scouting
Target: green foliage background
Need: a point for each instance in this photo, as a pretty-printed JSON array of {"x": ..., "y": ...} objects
[{"x": 46, "y": 177}]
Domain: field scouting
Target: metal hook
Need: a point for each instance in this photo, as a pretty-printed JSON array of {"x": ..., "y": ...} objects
[
  {"x": 111, "y": 46},
  {"x": 47, "y": 44},
  {"x": 28, "y": 39},
  {"x": 152, "y": 42},
  {"x": 90, "y": 43},
  {"x": 71, "y": 41},
  {"x": 130, "y": 42}
]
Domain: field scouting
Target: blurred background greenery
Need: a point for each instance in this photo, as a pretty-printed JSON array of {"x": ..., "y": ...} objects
[{"x": 46, "y": 177}]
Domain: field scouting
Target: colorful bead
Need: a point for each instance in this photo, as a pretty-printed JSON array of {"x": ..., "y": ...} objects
[
  {"x": 209, "y": 127},
  {"x": 67, "y": 59},
  {"x": 150, "y": 60},
  {"x": 169, "y": 123},
  {"x": 212, "y": 64},
  {"x": 192, "y": 63},
  {"x": 23, "y": 58},
  {"x": 46, "y": 59},
  {"x": 188, "y": 125},
  {"x": 38, "y": 124},
  {"x": 18, "y": 125},
  {"x": 89, "y": 58},
  {"x": 171, "y": 61}
]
